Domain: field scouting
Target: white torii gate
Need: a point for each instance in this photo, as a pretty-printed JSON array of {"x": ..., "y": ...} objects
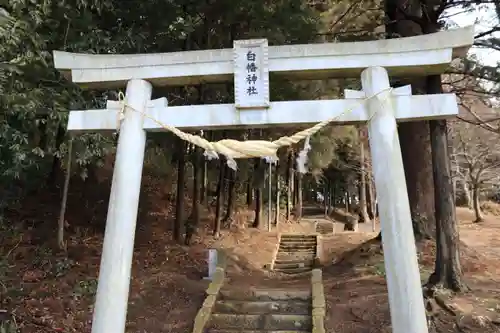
[{"x": 250, "y": 62}]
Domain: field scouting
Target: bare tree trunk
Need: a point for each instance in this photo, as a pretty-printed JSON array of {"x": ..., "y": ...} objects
[
  {"x": 298, "y": 206},
  {"x": 204, "y": 173},
  {"x": 289, "y": 179},
  {"x": 181, "y": 176},
  {"x": 467, "y": 193},
  {"x": 347, "y": 197},
  {"x": 363, "y": 212},
  {"x": 455, "y": 178},
  {"x": 326, "y": 197},
  {"x": 477, "y": 203},
  {"x": 230, "y": 195},
  {"x": 269, "y": 196},
  {"x": 60, "y": 228},
  {"x": 331, "y": 194},
  {"x": 418, "y": 174},
  {"x": 370, "y": 196},
  {"x": 220, "y": 191},
  {"x": 293, "y": 184},
  {"x": 250, "y": 190},
  {"x": 193, "y": 221},
  {"x": 259, "y": 177},
  {"x": 225, "y": 192},
  {"x": 203, "y": 182},
  {"x": 278, "y": 195},
  {"x": 56, "y": 162},
  {"x": 351, "y": 222},
  {"x": 414, "y": 135},
  {"x": 258, "y": 208},
  {"x": 447, "y": 271}
]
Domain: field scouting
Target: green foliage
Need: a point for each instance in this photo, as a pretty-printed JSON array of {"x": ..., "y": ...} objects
[
  {"x": 62, "y": 267},
  {"x": 85, "y": 288},
  {"x": 379, "y": 269},
  {"x": 35, "y": 98},
  {"x": 8, "y": 326}
]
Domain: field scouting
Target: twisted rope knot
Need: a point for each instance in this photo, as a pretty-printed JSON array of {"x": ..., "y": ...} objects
[
  {"x": 244, "y": 149},
  {"x": 234, "y": 149}
]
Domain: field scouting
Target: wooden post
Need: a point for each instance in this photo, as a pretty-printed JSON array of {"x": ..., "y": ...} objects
[
  {"x": 110, "y": 309},
  {"x": 212, "y": 263},
  {"x": 400, "y": 254}
]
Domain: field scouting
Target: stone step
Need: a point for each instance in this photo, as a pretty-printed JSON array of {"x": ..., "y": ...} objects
[
  {"x": 214, "y": 330},
  {"x": 265, "y": 295},
  {"x": 312, "y": 243},
  {"x": 296, "y": 247},
  {"x": 304, "y": 260},
  {"x": 260, "y": 322},
  {"x": 263, "y": 307},
  {"x": 298, "y": 243},
  {"x": 301, "y": 254},
  {"x": 298, "y": 237},
  {"x": 294, "y": 270},
  {"x": 282, "y": 256},
  {"x": 294, "y": 250},
  {"x": 288, "y": 244},
  {"x": 293, "y": 264},
  {"x": 325, "y": 228}
]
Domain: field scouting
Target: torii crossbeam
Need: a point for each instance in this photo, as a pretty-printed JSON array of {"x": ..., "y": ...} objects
[{"x": 249, "y": 63}]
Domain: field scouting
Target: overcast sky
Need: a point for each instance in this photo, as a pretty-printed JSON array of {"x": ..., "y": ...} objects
[{"x": 483, "y": 19}]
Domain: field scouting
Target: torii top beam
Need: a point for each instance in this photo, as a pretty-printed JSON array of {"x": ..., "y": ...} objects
[{"x": 419, "y": 55}]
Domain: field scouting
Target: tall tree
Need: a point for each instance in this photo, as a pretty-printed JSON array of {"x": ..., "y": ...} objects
[
  {"x": 422, "y": 17},
  {"x": 181, "y": 178},
  {"x": 290, "y": 185},
  {"x": 259, "y": 179},
  {"x": 232, "y": 178},
  {"x": 193, "y": 221},
  {"x": 414, "y": 136},
  {"x": 220, "y": 201},
  {"x": 363, "y": 209},
  {"x": 447, "y": 271}
]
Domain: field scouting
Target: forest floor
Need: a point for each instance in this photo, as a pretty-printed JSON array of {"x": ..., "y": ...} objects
[
  {"x": 47, "y": 291},
  {"x": 355, "y": 285}
]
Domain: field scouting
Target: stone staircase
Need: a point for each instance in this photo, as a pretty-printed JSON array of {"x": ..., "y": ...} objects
[
  {"x": 296, "y": 254},
  {"x": 325, "y": 228},
  {"x": 261, "y": 311}
]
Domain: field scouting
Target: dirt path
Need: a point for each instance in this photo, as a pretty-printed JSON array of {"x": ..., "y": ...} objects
[
  {"x": 355, "y": 285},
  {"x": 484, "y": 236},
  {"x": 49, "y": 292}
]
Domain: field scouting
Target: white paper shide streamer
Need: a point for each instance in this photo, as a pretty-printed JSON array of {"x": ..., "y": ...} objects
[
  {"x": 210, "y": 155},
  {"x": 302, "y": 158},
  {"x": 271, "y": 159}
]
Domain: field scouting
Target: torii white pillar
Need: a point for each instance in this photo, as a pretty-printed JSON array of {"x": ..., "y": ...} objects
[
  {"x": 110, "y": 310},
  {"x": 400, "y": 253}
]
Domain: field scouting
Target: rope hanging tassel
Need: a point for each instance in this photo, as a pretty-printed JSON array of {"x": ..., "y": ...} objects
[
  {"x": 234, "y": 149},
  {"x": 121, "y": 114},
  {"x": 271, "y": 159}
]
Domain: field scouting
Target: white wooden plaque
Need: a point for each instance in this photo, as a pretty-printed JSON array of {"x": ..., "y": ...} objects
[{"x": 251, "y": 73}]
